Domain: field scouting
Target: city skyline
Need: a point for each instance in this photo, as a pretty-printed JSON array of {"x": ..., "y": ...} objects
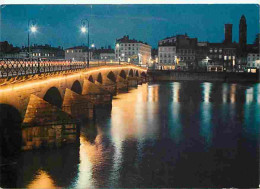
[{"x": 148, "y": 23}]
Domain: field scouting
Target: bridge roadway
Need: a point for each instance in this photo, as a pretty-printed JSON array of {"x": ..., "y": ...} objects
[{"x": 61, "y": 97}]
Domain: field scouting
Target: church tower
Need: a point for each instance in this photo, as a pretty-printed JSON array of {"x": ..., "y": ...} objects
[{"x": 242, "y": 33}]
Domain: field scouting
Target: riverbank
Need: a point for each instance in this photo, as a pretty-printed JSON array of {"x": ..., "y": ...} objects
[{"x": 171, "y": 75}]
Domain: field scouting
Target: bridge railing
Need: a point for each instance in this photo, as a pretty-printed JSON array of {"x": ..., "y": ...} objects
[{"x": 22, "y": 67}]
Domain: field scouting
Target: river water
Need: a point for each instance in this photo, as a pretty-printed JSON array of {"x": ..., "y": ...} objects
[{"x": 168, "y": 134}]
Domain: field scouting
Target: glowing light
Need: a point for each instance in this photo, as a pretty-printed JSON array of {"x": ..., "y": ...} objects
[
  {"x": 42, "y": 180},
  {"x": 176, "y": 91},
  {"x": 224, "y": 93},
  {"x": 117, "y": 45},
  {"x": 249, "y": 95},
  {"x": 233, "y": 93},
  {"x": 83, "y": 29},
  {"x": 207, "y": 91},
  {"x": 33, "y": 29},
  {"x": 93, "y": 45},
  {"x": 27, "y": 84}
]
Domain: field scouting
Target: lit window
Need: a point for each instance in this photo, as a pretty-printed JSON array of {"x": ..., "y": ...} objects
[
  {"x": 225, "y": 57},
  {"x": 68, "y": 51}
]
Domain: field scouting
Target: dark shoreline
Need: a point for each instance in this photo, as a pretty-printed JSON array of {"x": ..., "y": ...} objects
[{"x": 171, "y": 75}]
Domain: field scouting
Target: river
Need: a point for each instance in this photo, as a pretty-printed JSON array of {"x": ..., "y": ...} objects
[{"x": 168, "y": 134}]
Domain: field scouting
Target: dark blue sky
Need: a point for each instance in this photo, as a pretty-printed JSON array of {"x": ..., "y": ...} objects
[{"x": 60, "y": 24}]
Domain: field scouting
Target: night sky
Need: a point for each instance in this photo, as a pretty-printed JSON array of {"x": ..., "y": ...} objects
[{"x": 59, "y": 25}]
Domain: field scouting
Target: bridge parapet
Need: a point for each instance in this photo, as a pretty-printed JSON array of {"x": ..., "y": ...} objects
[{"x": 21, "y": 67}]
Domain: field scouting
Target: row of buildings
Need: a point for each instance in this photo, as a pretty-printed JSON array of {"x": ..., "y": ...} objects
[
  {"x": 183, "y": 52},
  {"x": 126, "y": 50},
  {"x": 179, "y": 52}
]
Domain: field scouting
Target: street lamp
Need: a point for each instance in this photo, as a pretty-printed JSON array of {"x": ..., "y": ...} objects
[
  {"x": 31, "y": 29},
  {"x": 84, "y": 30},
  {"x": 118, "y": 47}
]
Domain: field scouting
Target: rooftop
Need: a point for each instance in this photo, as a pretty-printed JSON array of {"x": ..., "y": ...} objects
[
  {"x": 126, "y": 39},
  {"x": 78, "y": 47}
]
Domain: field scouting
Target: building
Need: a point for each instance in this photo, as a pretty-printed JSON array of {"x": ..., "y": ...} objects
[
  {"x": 242, "y": 33},
  {"x": 253, "y": 60},
  {"x": 186, "y": 51},
  {"x": 133, "y": 51},
  {"x": 78, "y": 53},
  {"x": 104, "y": 54},
  {"x": 107, "y": 56},
  {"x": 43, "y": 52},
  {"x": 253, "y": 56},
  {"x": 167, "y": 53},
  {"x": 47, "y": 52},
  {"x": 154, "y": 59},
  {"x": 223, "y": 55},
  {"x": 8, "y": 50},
  {"x": 228, "y": 33},
  {"x": 201, "y": 54},
  {"x": 177, "y": 52}
]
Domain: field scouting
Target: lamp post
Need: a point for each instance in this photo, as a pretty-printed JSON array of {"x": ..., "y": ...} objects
[
  {"x": 84, "y": 30},
  {"x": 118, "y": 47},
  {"x": 31, "y": 28}
]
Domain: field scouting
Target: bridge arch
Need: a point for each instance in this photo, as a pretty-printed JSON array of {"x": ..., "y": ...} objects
[
  {"x": 131, "y": 73},
  {"x": 143, "y": 74},
  {"x": 111, "y": 76},
  {"x": 53, "y": 96},
  {"x": 137, "y": 73},
  {"x": 122, "y": 74},
  {"x": 99, "y": 78},
  {"x": 91, "y": 79},
  {"x": 76, "y": 87},
  {"x": 11, "y": 132}
]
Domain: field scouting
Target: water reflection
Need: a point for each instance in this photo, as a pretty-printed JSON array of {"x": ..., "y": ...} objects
[
  {"x": 42, "y": 180},
  {"x": 174, "y": 122},
  {"x": 206, "y": 113},
  {"x": 252, "y": 110},
  {"x": 225, "y": 88},
  {"x": 233, "y": 93},
  {"x": 51, "y": 168}
]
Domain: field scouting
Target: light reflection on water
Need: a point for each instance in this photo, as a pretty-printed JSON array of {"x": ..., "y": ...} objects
[
  {"x": 206, "y": 113},
  {"x": 172, "y": 134}
]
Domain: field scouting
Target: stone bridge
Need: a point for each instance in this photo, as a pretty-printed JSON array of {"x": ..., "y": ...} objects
[{"x": 59, "y": 97}]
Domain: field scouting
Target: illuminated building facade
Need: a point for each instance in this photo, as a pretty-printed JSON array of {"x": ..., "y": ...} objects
[
  {"x": 131, "y": 50},
  {"x": 167, "y": 53},
  {"x": 79, "y": 53}
]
